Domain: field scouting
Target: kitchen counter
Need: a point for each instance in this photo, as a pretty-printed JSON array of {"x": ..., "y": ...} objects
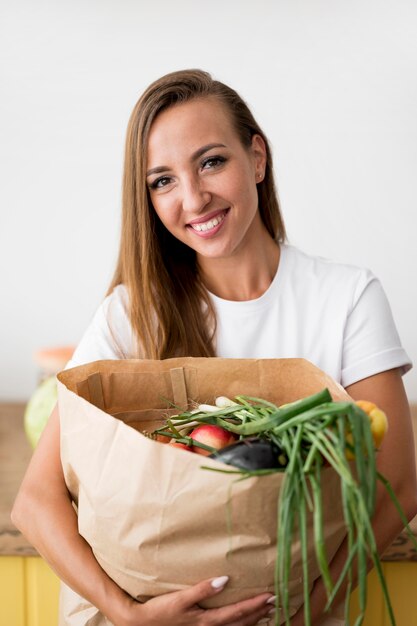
[{"x": 15, "y": 453}]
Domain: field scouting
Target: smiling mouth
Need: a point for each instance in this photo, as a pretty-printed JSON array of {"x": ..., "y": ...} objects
[{"x": 210, "y": 224}]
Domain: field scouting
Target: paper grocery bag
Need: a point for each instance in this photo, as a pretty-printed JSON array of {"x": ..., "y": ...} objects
[{"x": 155, "y": 519}]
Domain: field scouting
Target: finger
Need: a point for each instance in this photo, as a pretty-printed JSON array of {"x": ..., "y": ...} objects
[
  {"x": 206, "y": 589},
  {"x": 262, "y": 616},
  {"x": 239, "y": 611}
]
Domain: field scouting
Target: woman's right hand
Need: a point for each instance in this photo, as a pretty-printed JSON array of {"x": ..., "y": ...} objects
[{"x": 181, "y": 608}]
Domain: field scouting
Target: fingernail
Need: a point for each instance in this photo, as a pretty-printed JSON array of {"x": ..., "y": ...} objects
[
  {"x": 273, "y": 610},
  {"x": 218, "y": 583},
  {"x": 271, "y": 600}
]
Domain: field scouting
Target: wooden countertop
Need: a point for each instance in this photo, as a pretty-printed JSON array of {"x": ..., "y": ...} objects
[{"x": 15, "y": 453}]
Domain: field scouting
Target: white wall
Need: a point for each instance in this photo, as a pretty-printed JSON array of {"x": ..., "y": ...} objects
[{"x": 334, "y": 84}]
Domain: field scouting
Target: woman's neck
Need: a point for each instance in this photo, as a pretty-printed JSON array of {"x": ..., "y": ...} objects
[{"x": 244, "y": 276}]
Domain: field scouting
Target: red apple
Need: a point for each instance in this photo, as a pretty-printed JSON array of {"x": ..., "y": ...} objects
[
  {"x": 177, "y": 444},
  {"x": 213, "y": 436}
]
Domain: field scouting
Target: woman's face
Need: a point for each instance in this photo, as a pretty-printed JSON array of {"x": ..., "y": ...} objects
[{"x": 202, "y": 180}]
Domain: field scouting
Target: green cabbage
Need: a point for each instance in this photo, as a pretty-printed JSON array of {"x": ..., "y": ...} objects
[{"x": 39, "y": 408}]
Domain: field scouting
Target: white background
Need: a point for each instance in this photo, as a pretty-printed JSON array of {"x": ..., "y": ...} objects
[{"x": 333, "y": 84}]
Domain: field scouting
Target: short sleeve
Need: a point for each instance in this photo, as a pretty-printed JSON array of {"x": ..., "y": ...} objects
[
  {"x": 371, "y": 341},
  {"x": 109, "y": 334}
]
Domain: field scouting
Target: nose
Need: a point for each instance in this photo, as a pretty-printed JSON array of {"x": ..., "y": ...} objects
[{"x": 194, "y": 196}]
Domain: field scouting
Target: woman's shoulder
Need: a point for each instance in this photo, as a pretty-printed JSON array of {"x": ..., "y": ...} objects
[
  {"x": 314, "y": 270},
  {"x": 118, "y": 296},
  {"x": 109, "y": 334},
  {"x": 113, "y": 311},
  {"x": 305, "y": 259},
  {"x": 113, "y": 314}
]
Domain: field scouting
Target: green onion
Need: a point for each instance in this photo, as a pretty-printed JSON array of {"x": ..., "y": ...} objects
[{"x": 312, "y": 432}]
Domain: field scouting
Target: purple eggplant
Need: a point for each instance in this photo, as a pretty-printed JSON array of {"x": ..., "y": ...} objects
[{"x": 252, "y": 453}]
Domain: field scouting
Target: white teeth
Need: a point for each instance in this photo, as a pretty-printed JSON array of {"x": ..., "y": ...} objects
[{"x": 210, "y": 224}]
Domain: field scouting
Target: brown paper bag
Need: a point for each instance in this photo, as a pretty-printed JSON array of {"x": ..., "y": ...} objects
[{"x": 156, "y": 521}]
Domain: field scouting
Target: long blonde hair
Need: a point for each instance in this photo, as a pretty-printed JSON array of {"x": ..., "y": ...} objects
[{"x": 169, "y": 308}]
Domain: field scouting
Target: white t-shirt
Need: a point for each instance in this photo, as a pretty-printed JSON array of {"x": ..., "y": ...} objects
[{"x": 335, "y": 315}]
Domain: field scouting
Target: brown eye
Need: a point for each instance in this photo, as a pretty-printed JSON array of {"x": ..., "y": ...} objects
[
  {"x": 163, "y": 181},
  {"x": 212, "y": 162}
]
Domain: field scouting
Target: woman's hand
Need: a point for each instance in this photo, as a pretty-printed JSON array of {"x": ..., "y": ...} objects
[{"x": 181, "y": 608}]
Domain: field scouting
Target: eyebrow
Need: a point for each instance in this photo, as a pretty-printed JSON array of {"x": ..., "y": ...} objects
[{"x": 198, "y": 153}]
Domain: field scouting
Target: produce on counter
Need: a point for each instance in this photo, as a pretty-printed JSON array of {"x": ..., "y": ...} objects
[
  {"x": 39, "y": 408},
  {"x": 49, "y": 361},
  {"x": 304, "y": 439}
]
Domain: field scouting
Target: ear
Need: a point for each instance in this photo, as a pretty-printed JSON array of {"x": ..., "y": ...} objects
[{"x": 259, "y": 157}]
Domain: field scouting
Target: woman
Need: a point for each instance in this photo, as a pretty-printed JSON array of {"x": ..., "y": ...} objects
[{"x": 203, "y": 270}]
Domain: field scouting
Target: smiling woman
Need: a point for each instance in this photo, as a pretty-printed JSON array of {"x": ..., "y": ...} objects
[
  {"x": 203, "y": 202},
  {"x": 204, "y": 269}
]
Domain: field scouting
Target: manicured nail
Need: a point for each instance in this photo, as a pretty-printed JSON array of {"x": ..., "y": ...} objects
[
  {"x": 271, "y": 600},
  {"x": 218, "y": 583}
]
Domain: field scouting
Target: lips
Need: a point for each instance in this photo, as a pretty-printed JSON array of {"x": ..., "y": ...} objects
[{"x": 208, "y": 222}]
